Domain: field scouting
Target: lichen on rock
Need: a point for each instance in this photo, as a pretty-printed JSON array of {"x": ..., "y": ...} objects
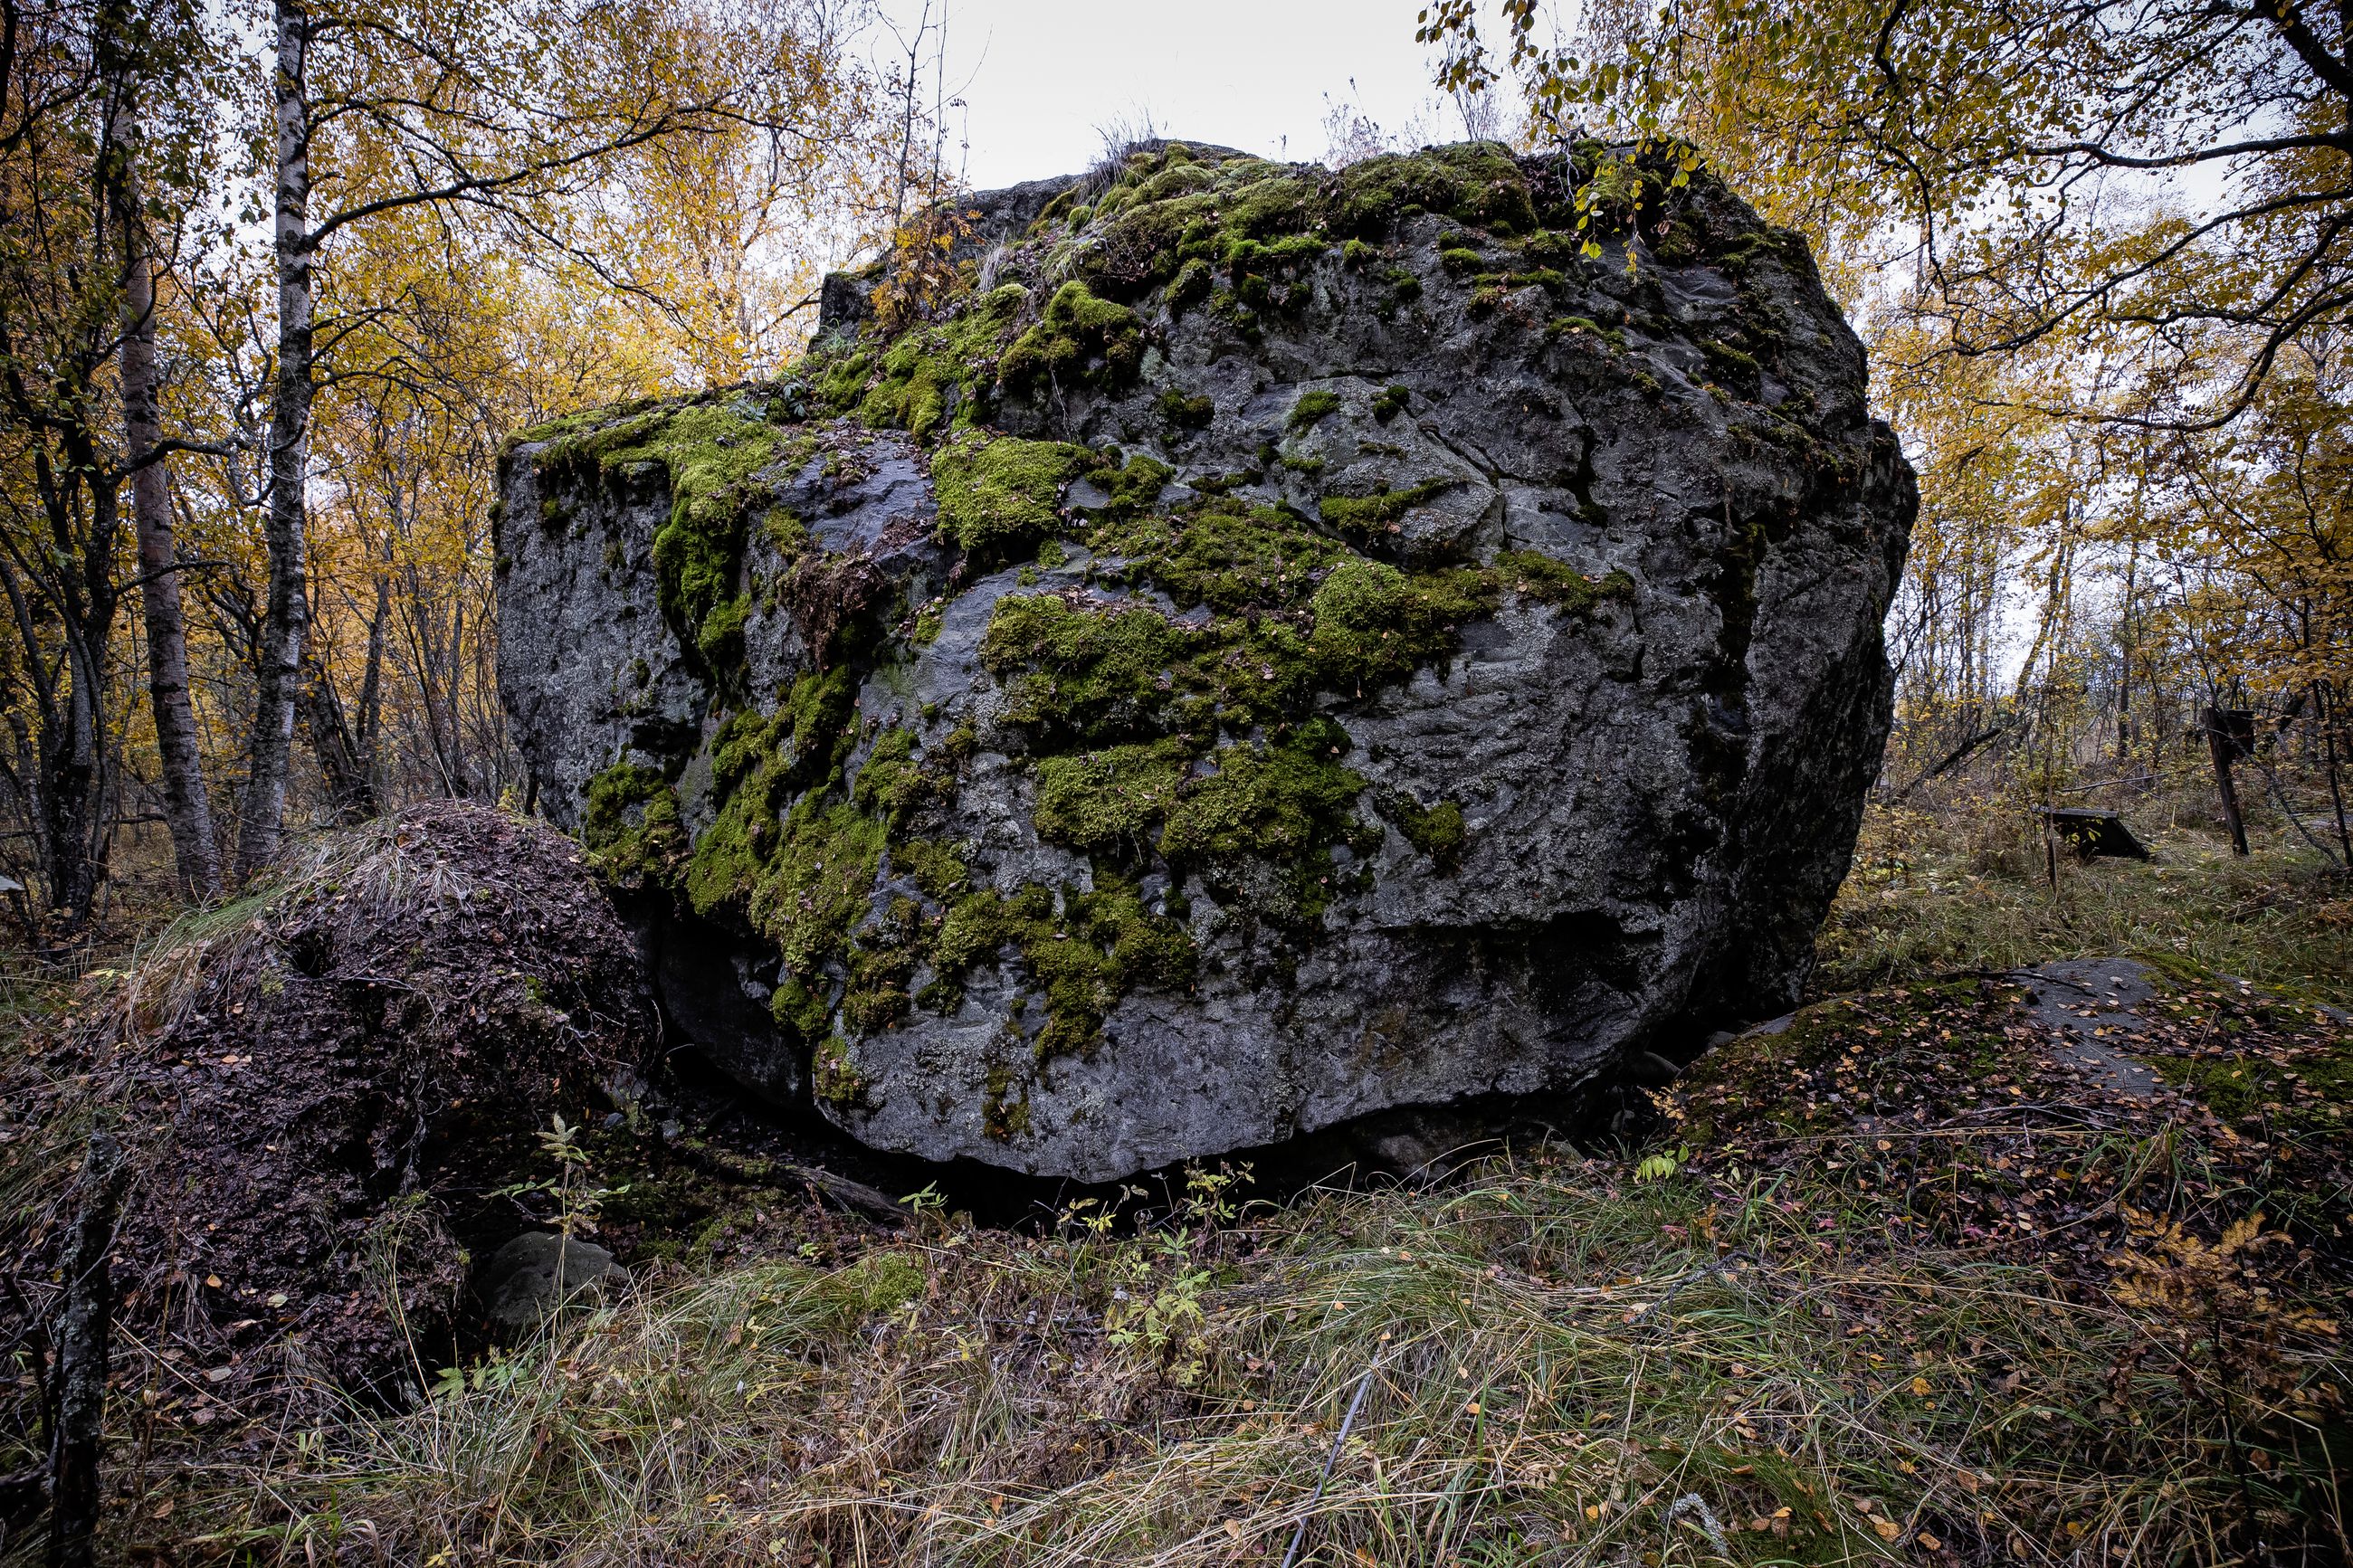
[{"x": 1278, "y": 647}]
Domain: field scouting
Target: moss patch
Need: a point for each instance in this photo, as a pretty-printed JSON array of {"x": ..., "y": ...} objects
[
  {"x": 1311, "y": 407},
  {"x": 932, "y": 377},
  {"x": 713, "y": 454},
  {"x": 1082, "y": 672},
  {"x": 1375, "y": 625},
  {"x": 630, "y": 824},
  {"x": 1549, "y": 581},
  {"x": 1478, "y": 182},
  {"x": 998, "y": 496},
  {"x": 1083, "y": 950},
  {"x": 1196, "y": 739},
  {"x": 1183, "y": 413},
  {"x": 1383, "y": 508},
  {"x": 1437, "y": 831},
  {"x": 1261, "y": 798},
  {"x": 1078, "y": 339},
  {"x": 1108, "y": 800},
  {"x": 1222, "y": 552},
  {"x": 795, "y": 850}
]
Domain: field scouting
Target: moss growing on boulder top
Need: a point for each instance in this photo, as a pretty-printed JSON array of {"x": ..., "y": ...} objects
[
  {"x": 1078, "y": 339},
  {"x": 717, "y": 456}
]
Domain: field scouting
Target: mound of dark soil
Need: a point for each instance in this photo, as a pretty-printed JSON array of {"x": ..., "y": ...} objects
[{"x": 319, "y": 1088}]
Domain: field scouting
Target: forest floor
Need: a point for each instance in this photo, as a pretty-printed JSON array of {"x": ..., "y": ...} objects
[{"x": 1912, "y": 1276}]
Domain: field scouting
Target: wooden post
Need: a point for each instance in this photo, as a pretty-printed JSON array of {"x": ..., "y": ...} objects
[
  {"x": 82, "y": 1334},
  {"x": 2222, "y": 744}
]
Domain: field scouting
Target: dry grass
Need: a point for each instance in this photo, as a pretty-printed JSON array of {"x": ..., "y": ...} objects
[
  {"x": 373, "y": 872},
  {"x": 1559, "y": 1364},
  {"x": 1968, "y": 885}
]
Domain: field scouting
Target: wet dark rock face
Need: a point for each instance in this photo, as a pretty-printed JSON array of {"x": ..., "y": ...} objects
[{"x": 1267, "y": 648}]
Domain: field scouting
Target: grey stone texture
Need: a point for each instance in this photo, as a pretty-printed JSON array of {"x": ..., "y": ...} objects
[
  {"x": 539, "y": 1271},
  {"x": 1659, "y": 791}
]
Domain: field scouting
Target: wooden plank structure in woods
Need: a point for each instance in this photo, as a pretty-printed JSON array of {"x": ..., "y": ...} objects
[{"x": 2090, "y": 832}]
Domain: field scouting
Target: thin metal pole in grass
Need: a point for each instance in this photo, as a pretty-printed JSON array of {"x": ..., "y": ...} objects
[
  {"x": 1727, "y": 1268},
  {"x": 1300, "y": 1535}
]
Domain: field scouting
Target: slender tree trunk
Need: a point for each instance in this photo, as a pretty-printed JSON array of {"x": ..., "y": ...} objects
[
  {"x": 2327, "y": 711},
  {"x": 286, "y": 617},
  {"x": 331, "y": 738},
  {"x": 2126, "y": 642},
  {"x": 371, "y": 679},
  {"x": 83, "y": 1348},
  {"x": 71, "y": 762},
  {"x": 71, "y": 739},
  {"x": 453, "y": 674},
  {"x": 187, "y": 807},
  {"x": 435, "y": 673},
  {"x": 2221, "y": 745}
]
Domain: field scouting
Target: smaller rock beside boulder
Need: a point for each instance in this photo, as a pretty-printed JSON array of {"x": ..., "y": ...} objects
[
  {"x": 539, "y": 1271},
  {"x": 318, "y": 1089}
]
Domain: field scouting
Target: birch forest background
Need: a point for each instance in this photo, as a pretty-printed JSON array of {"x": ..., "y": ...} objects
[{"x": 276, "y": 281}]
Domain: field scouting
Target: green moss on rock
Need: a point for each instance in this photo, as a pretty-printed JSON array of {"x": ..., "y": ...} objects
[
  {"x": 1270, "y": 801},
  {"x": 1189, "y": 287},
  {"x": 1311, "y": 407},
  {"x": 1437, "y": 831},
  {"x": 1374, "y": 625},
  {"x": 1186, "y": 413},
  {"x": 630, "y": 824},
  {"x": 1109, "y": 800},
  {"x": 890, "y": 784},
  {"x": 1084, "y": 673},
  {"x": 998, "y": 496},
  {"x": 1078, "y": 339},
  {"x": 1222, "y": 552},
  {"x": 1478, "y": 182},
  {"x": 1083, "y": 950},
  {"x": 834, "y": 1077},
  {"x": 1376, "y": 512},
  {"x": 933, "y": 376},
  {"x": 936, "y": 868},
  {"x": 1549, "y": 581},
  {"x": 714, "y": 455}
]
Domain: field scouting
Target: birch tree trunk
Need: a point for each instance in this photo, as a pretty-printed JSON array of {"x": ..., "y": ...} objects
[
  {"x": 286, "y": 612},
  {"x": 186, "y": 808}
]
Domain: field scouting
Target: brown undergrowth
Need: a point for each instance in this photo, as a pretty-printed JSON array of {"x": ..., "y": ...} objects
[
  {"x": 1879, "y": 1292},
  {"x": 1890, "y": 1284},
  {"x": 311, "y": 1089}
]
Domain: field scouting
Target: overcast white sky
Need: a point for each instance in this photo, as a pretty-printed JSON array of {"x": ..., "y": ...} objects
[{"x": 1040, "y": 76}]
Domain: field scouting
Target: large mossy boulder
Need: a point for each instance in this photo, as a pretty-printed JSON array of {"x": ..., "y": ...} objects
[{"x": 1272, "y": 646}]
